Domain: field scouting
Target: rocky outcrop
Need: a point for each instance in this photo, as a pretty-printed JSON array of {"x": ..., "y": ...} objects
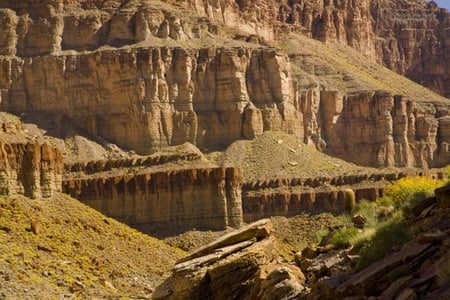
[
  {"x": 30, "y": 167},
  {"x": 417, "y": 269},
  {"x": 241, "y": 265},
  {"x": 165, "y": 201}
]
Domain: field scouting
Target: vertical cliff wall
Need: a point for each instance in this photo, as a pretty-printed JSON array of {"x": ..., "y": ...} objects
[
  {"x": 409, "y": 37},
  {"x": 57, "y": 58},
  {"x": 149, "y": 98},
  {"x": 31, "y": 169},
  {"x": 29, "y": 165},
  {"x": 166, "y": 201}
]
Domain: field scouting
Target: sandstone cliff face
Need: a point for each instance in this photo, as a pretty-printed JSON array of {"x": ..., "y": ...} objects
[
  {"x": 28, "y": 166},
  {"x": 409, "y": 37},
  {"x": 146, "y": 99},
  {"x": 399, "y": 132},
  {"x": 149, "y": 97},
  {"x": 30, "y": 169},
  {"x": 163, "y": 201}
]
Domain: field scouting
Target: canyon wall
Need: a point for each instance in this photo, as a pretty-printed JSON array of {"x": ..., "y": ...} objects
[
  {"x": 28, "y": 166},
  {"x": 165, "y": 201},
  {"x": 30, "y": 169},
  {"x": 379, "y": 129},
  {"x": 409, "y": 37},
  {"x": 292, "y": 196},
  {"x": 149, "y": 98}
]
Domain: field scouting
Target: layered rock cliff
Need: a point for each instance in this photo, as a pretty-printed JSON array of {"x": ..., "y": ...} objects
[
  {"x": 29, "y": 167},
  {"x": 62, "y": 58},
  {"x": 163, "y": 96},
  {"x": 409, "y": 37},
  {"x": 166, "y": 201},
  {"x": 149, "y": 98}
]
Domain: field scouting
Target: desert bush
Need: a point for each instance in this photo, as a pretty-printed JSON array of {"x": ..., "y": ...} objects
[
  {"x": 344, "y": 238},
  {"x": 408, "y": 191},
  {"x": 387, "y": 235},
  {"x": 369, "y": 210},
  {"x": 319, "y": 235}
]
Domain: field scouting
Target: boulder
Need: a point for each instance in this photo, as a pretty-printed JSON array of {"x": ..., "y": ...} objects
[{"x": 243, "y": 264}]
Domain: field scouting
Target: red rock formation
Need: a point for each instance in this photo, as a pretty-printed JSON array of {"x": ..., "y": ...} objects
[
  {"x": 34, "y": 170},
  {"x": 172, "y": 200},
  {"x": 149, "y": 98},
  {"x": 290, "y": 196}
]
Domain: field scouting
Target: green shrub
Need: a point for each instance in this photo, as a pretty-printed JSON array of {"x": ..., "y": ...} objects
[
  {"x": 349, "y": 200},
  {"x": 385, "y": 201},
  {"x": 319, "y": 235},
  {"x": 369, "y": 210},
  {"x": 387, "y": 235},
  {"x": 344, "y": 238}
]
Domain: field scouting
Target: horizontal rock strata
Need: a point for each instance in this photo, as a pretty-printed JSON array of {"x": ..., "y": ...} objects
[
  {"x": 165, "y": 201},
  {"x": 291, "y": 196},
  {"x": 149, "y": 98}
]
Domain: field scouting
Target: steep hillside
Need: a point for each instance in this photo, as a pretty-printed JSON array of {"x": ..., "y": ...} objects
[{"x": 59, "y": 247}]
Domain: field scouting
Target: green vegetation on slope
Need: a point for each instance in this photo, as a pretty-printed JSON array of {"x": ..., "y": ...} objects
[
  {"x": 386, "y": 220},
  {"x": 59, "y": 247}
]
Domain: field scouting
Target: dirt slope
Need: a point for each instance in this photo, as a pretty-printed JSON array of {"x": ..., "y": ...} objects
[{"x": 75, "y": 251}]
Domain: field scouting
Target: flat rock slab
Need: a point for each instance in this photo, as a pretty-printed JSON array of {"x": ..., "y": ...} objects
[{"x": 257, "y": 230}]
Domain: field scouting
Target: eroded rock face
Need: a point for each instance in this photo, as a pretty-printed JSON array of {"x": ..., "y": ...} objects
[
  {"x": 29, "y": 165},
  {"x": 31, "y": 169},
  {"x": 409, "y": 37},
  {"x": 243, "y": 264},
  {"x": 183, "y": 199},
  {"x": 213, "y": 97},
  {"x": 146, "y": 99}
]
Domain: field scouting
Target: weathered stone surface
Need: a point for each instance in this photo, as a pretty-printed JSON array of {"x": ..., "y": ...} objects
[
  {"x": 163, "y": 96},
  {"x": 257, "y": 230},
  {"x": 29, "y": 167},
  {"x": 286, "y": 282},
  {"x": 357, "y": 284},
  {"x": 179, "y": 199},
  {"x": 214, "y": 96},
  {"x": 243, "y": 265}
]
